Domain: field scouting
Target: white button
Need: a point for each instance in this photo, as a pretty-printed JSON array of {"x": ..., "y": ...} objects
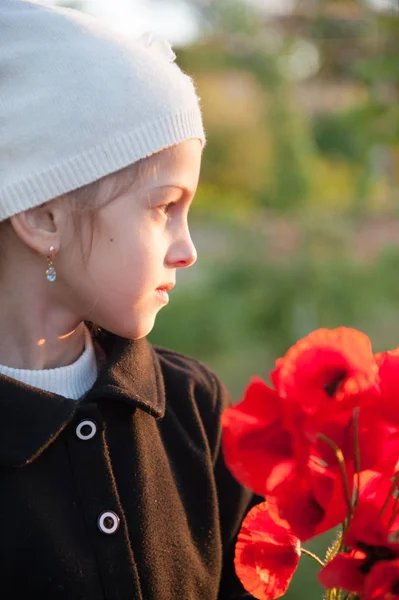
[
  {"x": 86, "y": 430},
  {"x": 108, "y": 522}
]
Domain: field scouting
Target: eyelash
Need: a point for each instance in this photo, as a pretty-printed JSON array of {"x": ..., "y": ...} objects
[{"x": 165, "y": 207}]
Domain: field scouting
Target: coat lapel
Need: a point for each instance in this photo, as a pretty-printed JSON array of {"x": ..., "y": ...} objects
[{"x": 31, "y": 419}]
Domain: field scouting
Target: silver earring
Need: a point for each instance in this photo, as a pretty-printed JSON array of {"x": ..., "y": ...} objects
[{"x": 51, "y": 273}]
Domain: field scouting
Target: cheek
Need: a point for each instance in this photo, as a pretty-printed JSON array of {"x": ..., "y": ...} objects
[
  {"x": 137, "y": 256},
  {"x": 144, "y": 248}
]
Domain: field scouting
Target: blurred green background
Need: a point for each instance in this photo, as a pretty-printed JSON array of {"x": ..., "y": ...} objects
[{"x": 296, "y": 220}]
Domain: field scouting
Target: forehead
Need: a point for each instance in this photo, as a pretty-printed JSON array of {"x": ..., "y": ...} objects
[{"x": 179, "y": 165}]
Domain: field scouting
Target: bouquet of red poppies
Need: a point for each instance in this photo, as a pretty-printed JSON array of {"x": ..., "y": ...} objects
[{"x": 322, "y": 447}]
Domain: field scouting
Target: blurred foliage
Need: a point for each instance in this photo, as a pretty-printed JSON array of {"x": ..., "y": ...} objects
[{"x": 294, "y": 121}]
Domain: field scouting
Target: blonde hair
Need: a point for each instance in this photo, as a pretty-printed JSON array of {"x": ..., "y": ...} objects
[{"x": 86, "y": 199}]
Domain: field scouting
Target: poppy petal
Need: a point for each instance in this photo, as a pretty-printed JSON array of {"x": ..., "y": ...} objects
[
  {"x": 253, "y": 441},
  {"x": 326, "y": 365},
  {"x": 311, "y": 500},
  {"x": 343, "y": 572},
  {"x": 267, "y": 554},
  {"x": 299, "y": 507},
  {"x": 387, "y": 405},
  {"x": 366, "y": 527},
  {"x": 383, "y": 581}
]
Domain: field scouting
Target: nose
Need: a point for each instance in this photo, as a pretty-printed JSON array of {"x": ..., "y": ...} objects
[{"x": 182, "y": 253}]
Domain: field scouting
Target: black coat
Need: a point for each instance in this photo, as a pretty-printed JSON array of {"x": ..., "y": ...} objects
[{"x": 150, "y": 456}]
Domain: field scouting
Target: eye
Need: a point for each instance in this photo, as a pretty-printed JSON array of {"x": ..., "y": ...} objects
[{"x": 166, "y": 207}]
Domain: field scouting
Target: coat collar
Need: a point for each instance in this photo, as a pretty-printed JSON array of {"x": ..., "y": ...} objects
[{"x": 31, "y": 418}]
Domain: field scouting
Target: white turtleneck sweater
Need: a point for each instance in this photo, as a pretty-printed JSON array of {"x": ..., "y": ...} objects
[{"x": 72, "y": 381}]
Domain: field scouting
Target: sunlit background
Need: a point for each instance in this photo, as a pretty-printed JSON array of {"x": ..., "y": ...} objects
[{"x": 296, "y": 220}]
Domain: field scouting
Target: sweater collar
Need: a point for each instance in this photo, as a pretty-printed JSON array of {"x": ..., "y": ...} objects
[
  {"x": 71, "y": 381},
  {"x": 31, "y": 418}
]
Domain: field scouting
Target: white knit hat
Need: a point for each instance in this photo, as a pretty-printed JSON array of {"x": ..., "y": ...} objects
[{"x": 78, "y": 102}]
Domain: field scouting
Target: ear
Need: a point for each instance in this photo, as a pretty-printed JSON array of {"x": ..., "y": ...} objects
[{"x": 40, "y": 227}]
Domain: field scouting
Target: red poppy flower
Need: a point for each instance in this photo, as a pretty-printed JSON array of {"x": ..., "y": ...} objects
[
  {"x": 387, "y": 404},
  {"x": 313, "y": 501},
  {"x": 344, "y": 572},
  {"x": 369, "y": 539},
  {"x": 269, "y": 460},
  {"x": 378, "y": 490},
  {"x": 327, "y": 371},
  {"x": 266, "y": 555},
  {"x": 377, "y": 440},
  {"x": 383, "y": 582},
  {"x": 255, "y": 446}
]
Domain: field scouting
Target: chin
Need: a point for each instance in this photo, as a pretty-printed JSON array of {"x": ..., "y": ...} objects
[{"x": 136, "y": 331}]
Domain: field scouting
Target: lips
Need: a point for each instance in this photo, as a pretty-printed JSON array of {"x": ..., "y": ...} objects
[
  {"x": 162, "y": 292},
  {"x": 166, "y": 287}
]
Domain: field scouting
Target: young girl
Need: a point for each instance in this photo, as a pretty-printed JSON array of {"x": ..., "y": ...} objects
[{"x": 113, "y": 484}]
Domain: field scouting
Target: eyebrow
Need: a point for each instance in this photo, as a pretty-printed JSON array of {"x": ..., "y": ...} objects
[
  {"x": 187, "y": 193},
  {"x": 179, "y": 186}
]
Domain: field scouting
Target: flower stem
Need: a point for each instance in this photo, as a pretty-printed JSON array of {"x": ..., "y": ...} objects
[
  {"x": 314, "y": 556},
  {"x": 341, "y": 463},
  {"x": 333, "y": 594},
  {"x": 391, "y": 491},
  {"x": 335, "y": 546}
]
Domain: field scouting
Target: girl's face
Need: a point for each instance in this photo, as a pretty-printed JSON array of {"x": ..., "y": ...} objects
[{"x": 140, "y": 240}]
